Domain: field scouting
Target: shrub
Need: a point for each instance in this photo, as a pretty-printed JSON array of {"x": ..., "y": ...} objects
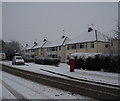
[
  {"x": 28, "y": 59},
  {"x": 47, "y": 61},
  {"x": 108, "y": 63},
  {"x": 80, "y": 63}
]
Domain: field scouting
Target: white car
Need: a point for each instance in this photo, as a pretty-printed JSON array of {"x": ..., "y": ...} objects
[{"x": 18, "y": 60}]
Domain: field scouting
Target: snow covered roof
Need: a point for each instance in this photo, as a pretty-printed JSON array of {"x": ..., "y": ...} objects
[
  {"x": 88, "y": 36},
  {"x": 59, "y": 42},
  {"x": 39, "y": 45},
  {"x": 46, "y": 44},
  {"x": 28, "y": 47},
  {"x": 42, "y": 44}
]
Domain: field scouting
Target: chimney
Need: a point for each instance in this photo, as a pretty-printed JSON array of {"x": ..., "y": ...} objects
[
  {"x": 44, "y": 40},
  {"x": 63, "y": 36},
  {"x": 90, "y": 28}
]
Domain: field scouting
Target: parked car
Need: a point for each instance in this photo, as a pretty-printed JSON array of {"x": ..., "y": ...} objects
[
  {"x": 2, "y": 57},
  {"x": 18, "y": 60}
]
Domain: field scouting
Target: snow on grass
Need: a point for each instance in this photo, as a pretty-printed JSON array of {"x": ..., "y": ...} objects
[{"x": 98, "y": 76}]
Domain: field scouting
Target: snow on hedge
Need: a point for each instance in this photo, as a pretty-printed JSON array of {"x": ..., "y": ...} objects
[{"x": 84, "y": 55}]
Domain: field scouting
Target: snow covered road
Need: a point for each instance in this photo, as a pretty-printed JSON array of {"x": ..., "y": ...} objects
[{"x": 18, "y": 88}]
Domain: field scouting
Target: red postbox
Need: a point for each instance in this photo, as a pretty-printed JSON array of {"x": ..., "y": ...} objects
[{"x": 72, "y": 64}]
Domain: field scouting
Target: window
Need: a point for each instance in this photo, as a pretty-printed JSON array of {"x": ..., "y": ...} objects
[
  {"x": 73, "y": 46},
  {"x": 54, "y": 56},
  {"x": 111, "y": 43},
  {"x": 77, "y": 46},
  {"x": 19, "y": 57},
  {"x": 83, "y": 45},
  {"x": 48, "y": 49},
  {"x": 59, "y": 47},
  {"x": 68, "y": 47},
  {"x": 54, "y": 48},
  {"x": 32, "y": 50},
  {"x": 92, "y": 45},
  {"x": 106, "y": 46}
]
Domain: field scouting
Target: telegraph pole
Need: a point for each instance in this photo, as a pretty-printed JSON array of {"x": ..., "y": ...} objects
[{"x": 96, "y": 39}]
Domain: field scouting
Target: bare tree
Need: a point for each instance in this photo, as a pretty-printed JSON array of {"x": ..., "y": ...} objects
[
  {"x": 11, "y": 48},
  {"x": 116, "y": 38},
  {"x": 2, "y": 44}
]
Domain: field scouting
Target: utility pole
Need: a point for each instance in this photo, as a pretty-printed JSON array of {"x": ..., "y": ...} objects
[
  {"x": 118, "y": 28},
  {"x": 96, "y": 39}
]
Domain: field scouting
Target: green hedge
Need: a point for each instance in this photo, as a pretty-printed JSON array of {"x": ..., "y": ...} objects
[{"x": 107, "y": 63}]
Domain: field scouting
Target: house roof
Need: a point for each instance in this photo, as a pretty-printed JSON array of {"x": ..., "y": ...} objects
[
  {"x": 88, "y": 36},
  {"x": 83, "y": 37},
  {"x": 59, "y": 42},
  {"x": 28, "y": 47},
  {"x": 39, "y": 45},
  {"x": 46, "y": 44}
]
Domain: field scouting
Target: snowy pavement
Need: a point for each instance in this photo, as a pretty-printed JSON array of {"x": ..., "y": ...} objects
[
  {"x": 64, "y": 69},
  {"x": 14, "y": 87}
]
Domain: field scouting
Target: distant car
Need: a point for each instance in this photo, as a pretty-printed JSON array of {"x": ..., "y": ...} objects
[
  {"x": 18, "y": 60},
  {"x": 2, "y": 57}
]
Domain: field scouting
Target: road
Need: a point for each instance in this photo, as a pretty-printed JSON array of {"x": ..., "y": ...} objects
[
  {"x": 96, "y": 91},
  {"x": 14, "y": 87}
]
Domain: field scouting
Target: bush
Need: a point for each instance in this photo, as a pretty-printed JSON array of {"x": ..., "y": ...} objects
[
  {"x": 80, "y": 63},
  {"x": 108, "y": 63},
  {"x": 29, "y": 59},
  {"x": 47, "y": 61}
]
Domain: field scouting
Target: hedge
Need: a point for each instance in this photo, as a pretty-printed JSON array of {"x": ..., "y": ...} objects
[
  {"x": 47, "y": 61},
  {"x": 28, "y": 59},
  {"x": 108, "y": 63}
]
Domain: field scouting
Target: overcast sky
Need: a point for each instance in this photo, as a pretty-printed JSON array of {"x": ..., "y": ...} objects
[
  {"x": 0, "y": 20},
  {"x": 29, "y": 22}
]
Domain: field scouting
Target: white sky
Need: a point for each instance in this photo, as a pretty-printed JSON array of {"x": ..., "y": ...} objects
[{"x": 29, "y": 22}]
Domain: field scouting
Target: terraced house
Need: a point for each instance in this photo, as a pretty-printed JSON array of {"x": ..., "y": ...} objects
[
  {"x": 58, "y": 48},
  {"x": 38, "y": 49},
  {"x": 91, "y": 41}
]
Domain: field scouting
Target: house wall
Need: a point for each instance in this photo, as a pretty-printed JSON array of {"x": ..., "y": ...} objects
[
  {"x": 102, "y": 47},
  {"x": 99, "y": 47},
  {"x": 63, "y": 53},
  {"x": 45, "y": 52},
  {"x": 59, "y": 53},
  {"x": 40, "y": 52}
]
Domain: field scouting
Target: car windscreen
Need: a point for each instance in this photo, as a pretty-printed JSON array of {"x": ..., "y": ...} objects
[{"x": 18, "y": 57}]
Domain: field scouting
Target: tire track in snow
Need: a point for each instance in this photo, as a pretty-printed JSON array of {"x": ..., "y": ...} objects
[
  {"x": 27, "y": 87},
  {"x": 13, "y": 91}
]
